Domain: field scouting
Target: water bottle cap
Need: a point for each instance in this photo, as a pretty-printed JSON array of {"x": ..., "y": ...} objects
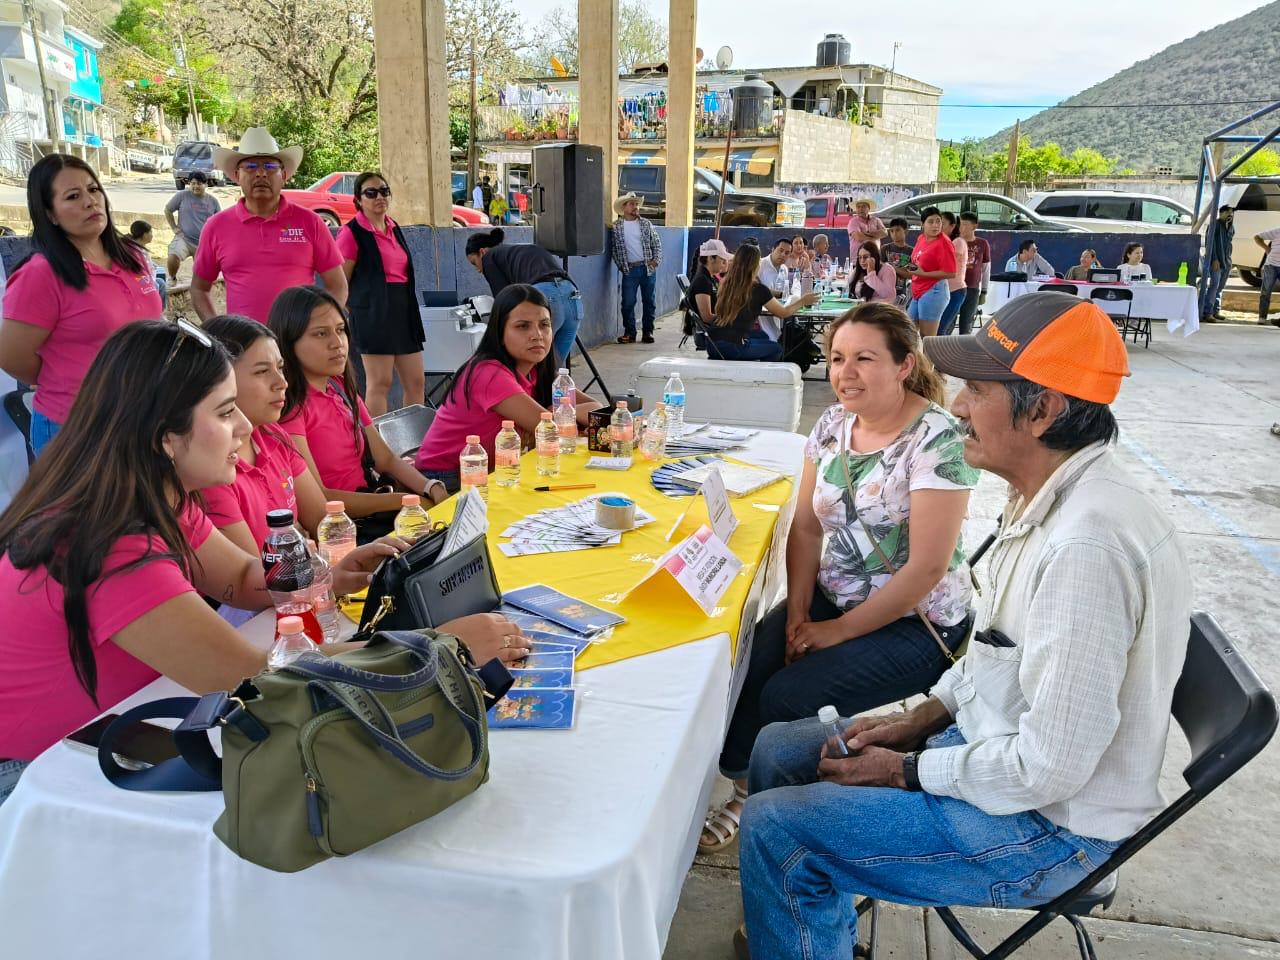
[
  {"x": 563, "y": 371},
  {"x": 290, "y": 625},
  {"x": 334, "y": 506},
  {"x": 546, "y": 414},
  {"x": 622, "y": 404},
  {"x": 279, "y": 518},
  {"x": 473, "y": 438},
  {"x": 659, "y": 406},
  {"x": 410, "y": 500},
  {"x": 828, "y": 714},
  {"x": 508, "y": 425}
]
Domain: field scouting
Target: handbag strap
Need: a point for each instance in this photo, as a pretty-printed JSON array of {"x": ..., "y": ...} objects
[
  {"x": 196, "y": 769},
  {"x": 366, "y": 454},
  {"x": 875, "y": 544}
]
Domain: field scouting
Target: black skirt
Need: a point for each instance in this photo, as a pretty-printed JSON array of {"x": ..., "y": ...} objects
[{"x": 398, "y": 332}]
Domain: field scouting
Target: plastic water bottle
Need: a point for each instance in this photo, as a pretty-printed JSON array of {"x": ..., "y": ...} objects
[
  {"x": 673, "y": 397},
  {"x": 473, "y": 467},
  {"x": 506, "y": 455},
  {"x": 622, "y": 436},
  {"x": 336, "y": 534},
  {"x": 780, "y": 286},
  {"x": 323, "y": 602},
  {"x": 546, "y": 441},
  {"x": 653, "y": 442},
  {"x": 833, "y": 732},
  {"x": 563, "y": 386},
  {"x": 566, "y": 421},
  {"x": 412, "y": 521},
  {"x": 1182, "y": 273},
  {"x": 291, "y": 643},
  {"x": 806, "y": 282},
  {"x": 286, "y": 567}
]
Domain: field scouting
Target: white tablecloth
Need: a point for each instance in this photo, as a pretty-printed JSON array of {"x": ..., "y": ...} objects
[
  {"x": 1173, "y": 302},
  {"x": 576, "y": 848}
]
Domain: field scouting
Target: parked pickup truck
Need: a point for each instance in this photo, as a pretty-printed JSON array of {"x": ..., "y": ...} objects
[{"x": 740, "y": 208}]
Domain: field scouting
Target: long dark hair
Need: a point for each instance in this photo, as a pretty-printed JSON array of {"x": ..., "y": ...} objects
[
  {"x": 106, "y": 474},
  {"x": 1128, "y": 249},
  {"x": 858, "y": 273},
  {"x": 50, "y": 240},
  {"x": 483, "y": 240},
  {"x": 289, "y": 318},
  {"x": 493, "y": 347},
  {"x": 237, "y": 333},
  {"x": 361, "y": 180},
  {"x": 735, "y": 289}
]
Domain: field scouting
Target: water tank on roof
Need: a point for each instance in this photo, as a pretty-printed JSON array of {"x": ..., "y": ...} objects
[
  {"x": 752, "y": 105},
  {"x": 835, "y": 51}
]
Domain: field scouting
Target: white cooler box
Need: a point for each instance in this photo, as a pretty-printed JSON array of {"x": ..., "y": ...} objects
[
  {"x": 742, "y": 393},
  {"x": 449, "y": 343}
]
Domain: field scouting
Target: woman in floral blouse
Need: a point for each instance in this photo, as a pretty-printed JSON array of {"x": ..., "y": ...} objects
[{"x": 875, "y": 541}]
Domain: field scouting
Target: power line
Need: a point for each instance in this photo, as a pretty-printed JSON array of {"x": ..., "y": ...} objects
[{"x": 1087, "y": 106}]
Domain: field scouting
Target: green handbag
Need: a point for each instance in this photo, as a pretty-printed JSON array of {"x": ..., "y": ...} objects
[{"x": 329, "y": 755}]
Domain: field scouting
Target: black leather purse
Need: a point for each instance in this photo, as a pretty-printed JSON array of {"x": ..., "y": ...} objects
[{"x": 417, "y": 589}]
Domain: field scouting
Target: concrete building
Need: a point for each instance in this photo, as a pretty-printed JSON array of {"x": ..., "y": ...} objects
[
  {"x": 24, "y": 128},
  {"x": 851, "y": 123},
  {"x": 86, "y": 127}
]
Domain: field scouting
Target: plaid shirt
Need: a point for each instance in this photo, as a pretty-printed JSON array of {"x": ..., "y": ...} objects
[
  {"x": 1090, "y": 584},
  {"x": 650, "y": 244}
]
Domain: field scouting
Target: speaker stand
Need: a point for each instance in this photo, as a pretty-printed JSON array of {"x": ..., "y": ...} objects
[{"x": 582, "y": 348}]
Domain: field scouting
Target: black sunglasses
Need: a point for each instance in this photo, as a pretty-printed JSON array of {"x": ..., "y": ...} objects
[
  {"x": 372, "y": 193},
  {"x": 185, "y": 330}
]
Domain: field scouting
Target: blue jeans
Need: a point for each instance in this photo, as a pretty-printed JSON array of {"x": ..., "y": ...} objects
[
  {"x": 952, "y": 310},
  {"x": 1213, "y": 296},
  {"x": 10, "y": 771},
  {"x": 807, "y": 847},
  {"x": 42, "y": 431},
  {"x": 899, "y": 660},
  {"x": 753, "y": 349},
  {"x": 639, "y": 279},
  {"x": 1269, "y": 275},
  {"x": 566, "y": 314},
  {"x": 452, "y": 479},
  {"x": 930, "y": 305}
]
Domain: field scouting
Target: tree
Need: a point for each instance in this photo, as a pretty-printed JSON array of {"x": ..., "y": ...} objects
[
  {"x": 642, "y": 38},
  {"x": 1264, "y": 163},
  {"x": 497, "y": 32}
]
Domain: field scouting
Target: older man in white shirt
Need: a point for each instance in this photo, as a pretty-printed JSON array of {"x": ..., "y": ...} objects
[{"x": 1040, "y": 750}]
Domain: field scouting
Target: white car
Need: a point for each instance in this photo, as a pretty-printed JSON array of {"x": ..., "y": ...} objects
[
  {"x": 1257, "y": 207},
  {"x": 1110, "y": 211}
]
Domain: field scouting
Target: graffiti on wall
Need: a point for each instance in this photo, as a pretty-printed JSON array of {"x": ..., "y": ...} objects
[{"x": 882, "y": 193}]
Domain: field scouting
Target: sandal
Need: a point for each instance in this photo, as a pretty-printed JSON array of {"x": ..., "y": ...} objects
[
  {"x": 626, "y": 339},
  {"x": 723, "y": 824}
]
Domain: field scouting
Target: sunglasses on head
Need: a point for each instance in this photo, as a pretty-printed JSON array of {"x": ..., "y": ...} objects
[
  {"x": 186, "y": 330},
  {"x": 372, "y": 193}
]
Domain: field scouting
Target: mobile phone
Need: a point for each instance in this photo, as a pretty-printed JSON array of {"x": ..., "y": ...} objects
[{"x": 143, "y": 743}]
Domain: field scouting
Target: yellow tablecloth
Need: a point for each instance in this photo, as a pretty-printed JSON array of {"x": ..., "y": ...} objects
[{"x": 659, "y": 614}]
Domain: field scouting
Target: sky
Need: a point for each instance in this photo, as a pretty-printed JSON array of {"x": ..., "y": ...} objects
[{"x": 982, "y": 53}]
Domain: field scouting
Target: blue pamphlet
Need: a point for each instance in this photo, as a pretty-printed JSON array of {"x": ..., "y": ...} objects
[
  {"x": 562, "y": 609},
  {"x": 541, "y": 678},
  {"x": 536, "y": 708}
]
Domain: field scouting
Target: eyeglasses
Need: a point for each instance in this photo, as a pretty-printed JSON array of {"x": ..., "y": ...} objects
[
  {"x": 373, "y": 193},
  {"x": 266, "y": 166},
  {"x": 185, "y": 329}
]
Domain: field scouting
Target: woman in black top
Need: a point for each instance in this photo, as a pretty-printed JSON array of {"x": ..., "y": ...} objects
[
  {"x": 504, "y": 265},
  {"x": 381, "y": 296},
  {"x": 742, "y": 298},
  {"x": 713, "y": 260}
]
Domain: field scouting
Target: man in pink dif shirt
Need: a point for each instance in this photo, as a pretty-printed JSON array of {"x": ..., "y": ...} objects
[
  {"x": 264, "y": 243},
  {"x": 863, "y": 226}
]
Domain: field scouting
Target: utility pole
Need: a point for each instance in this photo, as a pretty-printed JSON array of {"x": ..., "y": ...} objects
[
  {"x": 1011, "y": 171},
  {"x": 473, "y": 161},
  {"x": 50, "y": 115},
  {"x": 191, "y": 90}
]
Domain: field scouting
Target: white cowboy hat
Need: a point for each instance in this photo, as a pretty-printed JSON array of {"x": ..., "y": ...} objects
[
  {"x": 624, "y": 199},
  {"x": 257, "y": 142}
]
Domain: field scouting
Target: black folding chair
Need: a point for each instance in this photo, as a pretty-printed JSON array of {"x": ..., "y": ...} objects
[
  {"x": 17, "y": 405},
  {"x": 1227, "y": 715},
  {"x": 402, "y": 430},
  {"x": 682, "y": 281},
  {"x": 1110, "y": 299},
  {"x": 1070, "y": 288}
]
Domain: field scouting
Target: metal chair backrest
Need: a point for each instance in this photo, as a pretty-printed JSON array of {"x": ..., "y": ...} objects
[
  {"x": 682, "y": 282},
  {"x": 1070, "y": 288},
  {"x": 402, "y": 430},
  {"x": 1113, "y": 294}
]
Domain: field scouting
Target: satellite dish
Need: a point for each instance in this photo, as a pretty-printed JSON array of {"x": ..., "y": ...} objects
[
  {"x": 697, "y": 55},
  {"x": 724, "y": 58}
]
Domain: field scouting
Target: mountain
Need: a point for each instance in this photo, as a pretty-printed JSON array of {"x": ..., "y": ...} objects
[{"x": 1232, "y": 62}]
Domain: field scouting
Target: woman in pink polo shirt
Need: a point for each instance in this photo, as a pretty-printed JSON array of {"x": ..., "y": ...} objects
[
  {"x": 104, "y": 548},
  {"x": 380, "y": 296},
  {"x": 84, "y": 281},
  {"x": 509, "y": 377},
  {"x": 328, "y": 421}
]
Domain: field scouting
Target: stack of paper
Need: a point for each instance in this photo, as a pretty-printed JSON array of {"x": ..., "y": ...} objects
[
  {"x": 543, "y": 695},
  {"x": 562, "y": 529},
  {"x": 661, "y": 478},
  {"x": 708, "y": 438},
  {"x": 738, "y": 478}
]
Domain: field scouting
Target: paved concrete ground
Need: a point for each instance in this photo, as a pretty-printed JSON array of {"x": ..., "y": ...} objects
[{"x": 1194, "y": 418}]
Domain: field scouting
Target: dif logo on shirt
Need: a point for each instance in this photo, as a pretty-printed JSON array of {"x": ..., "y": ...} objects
[
  {"x": 293, "y": 235},
  {"x": 147, "y": 282}
]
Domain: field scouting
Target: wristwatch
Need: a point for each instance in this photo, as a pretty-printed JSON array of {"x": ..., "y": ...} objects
[{"x": 909, "y": 772}]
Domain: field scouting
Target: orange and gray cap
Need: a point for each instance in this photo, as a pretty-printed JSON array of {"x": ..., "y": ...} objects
[{"x": 1053, "y": 339}]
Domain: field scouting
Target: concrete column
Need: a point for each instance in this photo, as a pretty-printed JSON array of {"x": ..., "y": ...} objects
[
  {"x": 413, "y": 108},
  {"x": 681, "y": 84},
  {"x": 598, "y": 87}
]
